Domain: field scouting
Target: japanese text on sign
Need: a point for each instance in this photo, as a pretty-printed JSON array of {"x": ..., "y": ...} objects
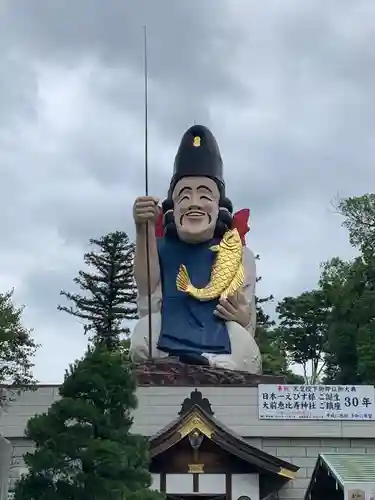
[{"x": 316, "y": 402}]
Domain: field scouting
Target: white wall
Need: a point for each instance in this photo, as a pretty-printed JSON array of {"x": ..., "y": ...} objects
[
  {"x": 212, "y": 483},
  {"x": 298, "y": 442},
  {"x": 179, "y": 483},
  {"x": 155, "y": 482},
  {"x": 208, "y": 483},
  {"x": 236, "y": 407},
  {"x": 245, "y": 484}
]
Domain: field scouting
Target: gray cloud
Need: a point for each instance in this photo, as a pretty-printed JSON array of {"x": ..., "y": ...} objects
[
  {"x": 187, "y": 41},
  {"x": 287, "y": 89}
]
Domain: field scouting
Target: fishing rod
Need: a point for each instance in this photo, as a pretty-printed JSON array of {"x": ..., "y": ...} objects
[{"x": 146, "y": 193}]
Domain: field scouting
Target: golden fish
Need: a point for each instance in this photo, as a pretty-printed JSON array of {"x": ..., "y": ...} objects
[{"x": 227, "y": 274}]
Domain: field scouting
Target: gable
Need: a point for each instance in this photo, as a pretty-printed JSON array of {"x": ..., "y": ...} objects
[{"x": 197, "y": 442}]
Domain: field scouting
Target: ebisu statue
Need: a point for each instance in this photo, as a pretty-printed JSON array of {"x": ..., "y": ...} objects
[{"x": 202, "y": 275}]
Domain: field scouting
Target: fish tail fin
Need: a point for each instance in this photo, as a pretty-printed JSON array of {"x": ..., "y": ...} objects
[{"x": 183, "y": 282}]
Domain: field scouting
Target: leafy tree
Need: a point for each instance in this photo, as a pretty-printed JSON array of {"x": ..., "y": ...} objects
[
  {"x": 109, "y": 291},
  {"x": 331, "y": 328},
  {"x": 274, "y": 358},
  {"x": 304, "y": 330},
  {"x": 17, "y": 348},
  {"x": 342, "y": 359},
  {"x": 274, "y": 361},
  {"x": 294, "y": 378},
  {"x": 359, "y": 219},
  {"x": 84, "y": 449},
  {"x": 350, "y": 290}
]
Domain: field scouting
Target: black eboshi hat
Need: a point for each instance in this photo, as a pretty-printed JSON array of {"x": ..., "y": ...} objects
[{"x": 198, "y": 155}]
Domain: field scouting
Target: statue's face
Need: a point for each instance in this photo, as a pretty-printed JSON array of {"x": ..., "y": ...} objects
[{"x": 196, "y": 208}]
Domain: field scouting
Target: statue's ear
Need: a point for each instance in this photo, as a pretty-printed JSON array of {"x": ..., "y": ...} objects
[
  {"x": 159, "y": 226},
  {"x": 241, "y": 223}
]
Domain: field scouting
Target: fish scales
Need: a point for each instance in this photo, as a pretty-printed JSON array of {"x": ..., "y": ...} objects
[{"x": 227, "y": 272}]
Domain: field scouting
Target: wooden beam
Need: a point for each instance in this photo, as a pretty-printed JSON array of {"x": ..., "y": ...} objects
[
  {"x": 228, "y": 486},
  {"x": 196, "y": 483},
  {"x": 163, "y": 482}
]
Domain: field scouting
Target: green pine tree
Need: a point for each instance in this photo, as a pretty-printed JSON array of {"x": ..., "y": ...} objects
[
  {"x": 84, "y": 449},
  {"x": 108, "y": 286}
]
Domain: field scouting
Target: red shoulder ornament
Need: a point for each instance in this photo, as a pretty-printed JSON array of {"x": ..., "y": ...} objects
[{"x": 240, "y": 222}]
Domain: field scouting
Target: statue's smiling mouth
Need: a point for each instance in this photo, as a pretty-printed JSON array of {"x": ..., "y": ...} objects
[{"x": 195, "y": 214}]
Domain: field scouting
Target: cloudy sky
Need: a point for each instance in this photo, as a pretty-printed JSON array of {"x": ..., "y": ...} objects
[{"x": 286, "y": 86}]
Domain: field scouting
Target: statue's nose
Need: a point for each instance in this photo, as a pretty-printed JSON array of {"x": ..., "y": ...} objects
[{"x": 195, "y": 206}]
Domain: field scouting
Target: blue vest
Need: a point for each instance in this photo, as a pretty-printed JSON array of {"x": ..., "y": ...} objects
[{"x": 187, "y": 324}]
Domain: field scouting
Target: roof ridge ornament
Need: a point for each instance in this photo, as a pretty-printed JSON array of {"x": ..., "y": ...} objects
[{"x": 196, "y": 399}]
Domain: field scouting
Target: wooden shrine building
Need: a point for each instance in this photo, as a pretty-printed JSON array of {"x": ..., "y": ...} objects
[
  {"x": 213, "y": 436},
  {"x": 197, "y": 453}
]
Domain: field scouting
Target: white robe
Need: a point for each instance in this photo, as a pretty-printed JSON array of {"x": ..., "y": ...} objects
[{"x": 245, "y": 353}]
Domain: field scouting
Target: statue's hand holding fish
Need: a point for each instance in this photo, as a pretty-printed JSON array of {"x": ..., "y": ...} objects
[{"x": 235, "y": 308}]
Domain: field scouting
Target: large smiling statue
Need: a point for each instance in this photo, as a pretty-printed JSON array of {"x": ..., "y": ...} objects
[{"x": 202, "y": 276}]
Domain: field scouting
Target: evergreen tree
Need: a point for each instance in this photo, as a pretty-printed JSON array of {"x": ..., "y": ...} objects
[
  {"x": 17, "y": 347},
  {"x": 83, "y": 446},
  {"x": 109, "y": 291}
]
